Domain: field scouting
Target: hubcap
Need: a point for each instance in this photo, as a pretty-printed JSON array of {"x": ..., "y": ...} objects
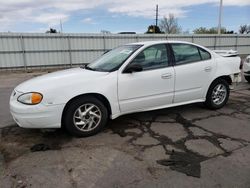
[
  {"x": 219, "y": 94},
  {"x": 87, "y": 117}
]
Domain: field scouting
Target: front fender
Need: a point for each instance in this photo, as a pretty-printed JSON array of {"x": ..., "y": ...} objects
[{"x": 106, "y": 86}]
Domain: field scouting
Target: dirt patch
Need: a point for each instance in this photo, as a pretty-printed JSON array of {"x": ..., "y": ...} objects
[
  {"x": 40, "y": 147},
  {"x": 16, "y": 141}
]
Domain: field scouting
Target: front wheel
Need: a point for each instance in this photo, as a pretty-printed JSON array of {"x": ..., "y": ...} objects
[
  {"x": 85, "y": 116},
  {"x": 247, "y": 78},
  {"x": 218, "y": 94}
]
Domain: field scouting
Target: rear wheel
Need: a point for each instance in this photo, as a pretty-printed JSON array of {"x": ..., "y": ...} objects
[
  {"x": 85, "y": 116},
  {"x": 247, "y": 78},
  {"x": 218, "y": 94}
]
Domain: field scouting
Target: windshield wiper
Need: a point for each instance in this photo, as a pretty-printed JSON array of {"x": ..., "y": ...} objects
[
  {"x": 95, "y": 69},
  {"x": 89, "y": 68}
]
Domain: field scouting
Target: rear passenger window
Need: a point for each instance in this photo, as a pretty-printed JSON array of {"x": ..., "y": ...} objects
[
  {"x": 204, "y": 54},
  {"x": 185, "y": 53}
]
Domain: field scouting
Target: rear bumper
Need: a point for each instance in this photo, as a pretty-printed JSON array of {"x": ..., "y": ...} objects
[{"x": 236, "y": 78}]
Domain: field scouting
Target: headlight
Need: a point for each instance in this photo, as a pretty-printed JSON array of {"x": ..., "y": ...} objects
[{"x": 30, "y": 98}]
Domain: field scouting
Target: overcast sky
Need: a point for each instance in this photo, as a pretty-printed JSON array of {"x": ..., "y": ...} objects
[{"x": 90, "y": 16}]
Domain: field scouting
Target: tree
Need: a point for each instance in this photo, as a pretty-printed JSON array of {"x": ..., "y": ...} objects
[
  {"x": 153, "y": 29},
  {"x": 244, "y": 29},
  {"x": 201, "y": 30},
  {"x": 212, "y": 30},
  {"x": 51, "y": 30},
  {"x": 170, "y": 25},
  {"x": 230, "y": 32},
  {"x": 186, "y": 32},
  {"x": 105, "y": 32}
]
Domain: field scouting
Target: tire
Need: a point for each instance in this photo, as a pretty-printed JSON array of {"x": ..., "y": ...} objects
[
  {"x": 217, "y": 100},
  {"x": 81, "y": 116},
  {"x": 247, "y": 78}
]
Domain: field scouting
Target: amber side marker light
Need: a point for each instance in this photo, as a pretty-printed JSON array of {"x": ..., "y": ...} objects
[{"x": 36, "y": 98}]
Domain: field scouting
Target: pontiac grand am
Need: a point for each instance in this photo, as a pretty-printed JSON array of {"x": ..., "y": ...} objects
[{"x": 130, "y": 78}]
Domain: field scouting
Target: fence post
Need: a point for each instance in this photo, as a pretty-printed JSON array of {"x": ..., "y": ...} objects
[
  {"x": 136, "y": 38},
  {"x": 236, "y": 42},
  {"x": 104, "y": 43},
  {"x": 69, "y": 49},
  {"x": 23, "y": 52},
  {"x": 215, "y": 41}
]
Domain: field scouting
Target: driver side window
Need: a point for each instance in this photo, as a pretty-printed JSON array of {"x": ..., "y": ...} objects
[{"x": 153, "y": 57}]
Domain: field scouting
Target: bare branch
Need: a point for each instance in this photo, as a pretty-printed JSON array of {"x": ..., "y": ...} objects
[{"x": 170, "y": 25}]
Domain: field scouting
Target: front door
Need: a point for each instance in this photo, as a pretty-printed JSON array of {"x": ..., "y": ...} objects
[{"x": 153, "y": 86}]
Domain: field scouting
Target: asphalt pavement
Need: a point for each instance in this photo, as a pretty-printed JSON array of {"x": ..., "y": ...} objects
[{"x": 187, "y": 146}]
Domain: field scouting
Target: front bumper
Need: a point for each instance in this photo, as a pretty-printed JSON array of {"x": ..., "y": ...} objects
[
  {"x": 246, "y": 73},
  {"x": 246, "y": 69},
  {"x": 35, "y": 116}
]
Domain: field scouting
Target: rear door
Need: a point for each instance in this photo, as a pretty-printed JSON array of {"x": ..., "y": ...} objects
[{"x": 194, "y": 68}]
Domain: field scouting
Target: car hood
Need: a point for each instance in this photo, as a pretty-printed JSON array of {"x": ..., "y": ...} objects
[{"x": 59, "y": 79}]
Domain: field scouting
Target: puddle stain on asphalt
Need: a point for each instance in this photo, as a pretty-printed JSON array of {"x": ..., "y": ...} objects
[{"x": 187, "y": 163}]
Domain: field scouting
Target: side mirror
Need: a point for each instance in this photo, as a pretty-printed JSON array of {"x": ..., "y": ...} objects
[{"x": 133, "y": 68}]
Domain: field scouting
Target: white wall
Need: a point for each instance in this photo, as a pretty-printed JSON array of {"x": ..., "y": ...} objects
[{"x": 23, "y": 50}]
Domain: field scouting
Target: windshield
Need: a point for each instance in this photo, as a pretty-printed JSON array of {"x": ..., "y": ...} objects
[{"x": 113, "y": 59}]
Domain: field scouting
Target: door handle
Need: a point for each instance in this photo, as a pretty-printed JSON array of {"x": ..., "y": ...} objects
[
  {"x": 208, "y": 69},
  {"x": 166, "y": 76}
]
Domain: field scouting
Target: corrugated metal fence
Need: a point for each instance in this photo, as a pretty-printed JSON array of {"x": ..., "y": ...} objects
[{"x": 26, "y": 50}]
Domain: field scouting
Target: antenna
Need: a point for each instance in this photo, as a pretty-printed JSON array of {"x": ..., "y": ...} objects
[{"x": 61, "y": 25}]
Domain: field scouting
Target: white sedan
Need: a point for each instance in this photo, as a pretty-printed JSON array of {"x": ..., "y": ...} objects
[
  {"x": 130, "y": 78},
  {"x": 246, "y": 68}
]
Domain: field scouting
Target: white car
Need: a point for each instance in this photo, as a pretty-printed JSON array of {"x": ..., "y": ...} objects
[
  {"x": 130, "y": 78},
  {"x": 246, "y": 68}
]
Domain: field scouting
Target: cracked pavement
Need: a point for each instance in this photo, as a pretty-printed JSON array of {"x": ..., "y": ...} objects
[{"x": 186, "y": 146}]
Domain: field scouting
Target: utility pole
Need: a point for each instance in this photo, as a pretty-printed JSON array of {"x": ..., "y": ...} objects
[
  {"x": 220, "y": 17},
  {"x": 156, "y": 16}
]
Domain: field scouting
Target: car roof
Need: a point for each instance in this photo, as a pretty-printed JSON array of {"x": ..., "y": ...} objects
[
  {"x": 159, "y": 42},
  {"x": 149, "y": 43}
]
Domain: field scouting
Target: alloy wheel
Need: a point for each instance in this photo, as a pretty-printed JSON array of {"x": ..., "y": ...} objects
[{"x": 87, "y": 117}]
